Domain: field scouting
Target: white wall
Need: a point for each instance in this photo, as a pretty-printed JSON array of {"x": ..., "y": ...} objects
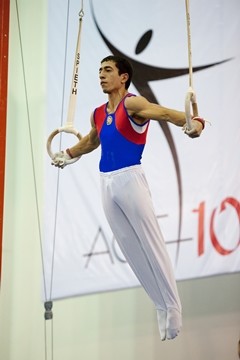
[{"x": 118, "y": 325}]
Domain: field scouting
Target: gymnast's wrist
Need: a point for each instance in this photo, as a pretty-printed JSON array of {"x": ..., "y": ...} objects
[
  {"x": 68, "y": 152},
  {"x": 199, "y": 119}
]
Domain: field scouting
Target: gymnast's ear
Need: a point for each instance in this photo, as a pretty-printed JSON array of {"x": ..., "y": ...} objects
[{"x": 124, "y": 78}]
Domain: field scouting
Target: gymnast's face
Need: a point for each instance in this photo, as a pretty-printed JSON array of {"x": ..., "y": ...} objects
[{"x": 110, "y": 80}]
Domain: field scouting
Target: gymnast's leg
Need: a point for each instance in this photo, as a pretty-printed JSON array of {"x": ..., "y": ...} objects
[{"x": 128, "y": 207}]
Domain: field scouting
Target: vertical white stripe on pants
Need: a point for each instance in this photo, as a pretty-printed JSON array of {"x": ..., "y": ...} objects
[{"x": 129, "y": 210}]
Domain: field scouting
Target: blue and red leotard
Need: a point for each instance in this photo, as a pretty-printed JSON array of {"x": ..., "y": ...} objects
[{"x": 122, "y": 139}]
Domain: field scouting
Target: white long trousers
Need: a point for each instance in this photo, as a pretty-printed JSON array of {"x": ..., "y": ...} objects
[{"x": 129, "y": 210}]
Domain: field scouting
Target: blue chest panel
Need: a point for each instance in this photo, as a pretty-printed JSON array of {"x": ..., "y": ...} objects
[{"x": 117, "y": 151}]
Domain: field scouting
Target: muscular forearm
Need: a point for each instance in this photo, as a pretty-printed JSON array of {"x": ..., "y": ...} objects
[
  {"x": 176, "y": 117},
  {"x": 84, "y": 146}
]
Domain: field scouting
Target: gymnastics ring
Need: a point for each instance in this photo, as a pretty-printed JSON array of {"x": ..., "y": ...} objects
[{"x": 66, "y": 129}]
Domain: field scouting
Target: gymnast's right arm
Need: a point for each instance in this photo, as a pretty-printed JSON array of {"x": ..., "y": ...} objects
[{"x": 87, "y": 144}]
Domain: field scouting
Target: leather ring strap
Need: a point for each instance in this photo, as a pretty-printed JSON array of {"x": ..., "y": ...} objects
[
  {"x": 190, "y": 96},
  {"x": 69, "y": 128}
]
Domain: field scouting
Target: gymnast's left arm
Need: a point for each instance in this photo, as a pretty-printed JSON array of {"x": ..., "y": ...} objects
[{"x": 142, "y": 109}]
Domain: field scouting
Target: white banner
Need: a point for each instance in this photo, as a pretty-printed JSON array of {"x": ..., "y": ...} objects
[{"x": 194, "y": 182}]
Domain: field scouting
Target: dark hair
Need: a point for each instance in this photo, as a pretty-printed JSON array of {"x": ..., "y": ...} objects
[{"x": 123, "y": 66}]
